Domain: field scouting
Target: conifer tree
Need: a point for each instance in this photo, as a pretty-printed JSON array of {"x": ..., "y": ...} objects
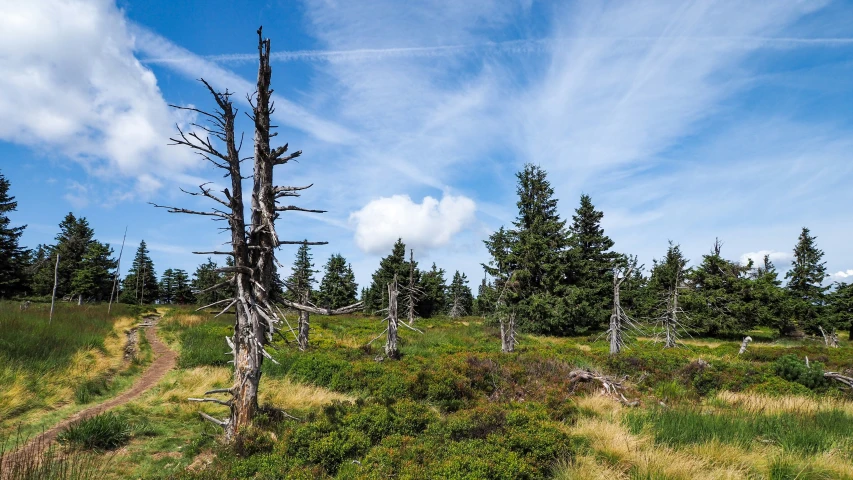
[
  {"x": 72, "y": 242},
  {"x": 205, "y": 278},
  {"x": 140, "y": 285},
  {"x": 484, "y": 304},
  {"x": 666, "y": 284},
  {"x": 459, "y": 298},
  {"x": 533, "y": 254},
  {"x": 394, "y": 264},
  {"x": 805, "y": 284},
  {"x": 841, "y": 307},
  {"x": 590, "y": 263},
  {"x": 12, "y": 256},
  {"x": 337, "y": 288},
  {"x": 93, "y": 278},
  {"x": 434, "y": 287},
  {"x": 167, "y": 286},
  {"x": 765, "y": 298},
  {"x": 301, "y": 281},
  {"x": 183, "y": 293},
  {"x": 718, "y": 295}
]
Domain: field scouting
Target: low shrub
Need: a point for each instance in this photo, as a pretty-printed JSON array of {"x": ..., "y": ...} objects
[{"x": 793, "y": 369}]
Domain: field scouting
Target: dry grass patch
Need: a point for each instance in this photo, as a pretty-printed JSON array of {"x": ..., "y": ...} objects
[{"x": 764, "y": 404}]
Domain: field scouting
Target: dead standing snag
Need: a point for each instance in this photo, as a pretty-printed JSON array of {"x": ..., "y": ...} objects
[{"x": 253, "y": 243}]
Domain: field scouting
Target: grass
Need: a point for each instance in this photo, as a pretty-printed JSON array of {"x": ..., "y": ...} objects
[
  {"x": 455, "y": 407},
  {"x": 106, "y": 431}
]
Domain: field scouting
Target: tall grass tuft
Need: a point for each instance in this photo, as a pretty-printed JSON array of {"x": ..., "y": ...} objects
[
  {"x": 106, "y": 431},
  {"x": 48, "y": 462}
]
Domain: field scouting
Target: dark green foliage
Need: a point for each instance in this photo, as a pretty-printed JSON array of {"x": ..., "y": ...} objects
[
  {"x": 106, "y": 431},
  {"x": 300, "y": 283},
  {"x": 590, "y": 266},
  {"x": 433, "y": 299},
  {"x": 92, "y": 388},
  {"x": 805, "y": 284},
  {"x": 338, "y": 288},
  {"x": 460, "y": 301},
  {"x": 72, "y": 243},
  {"x": 140, "y": 285},
  {"x": 793, "y": 369},
  {"x": 12, "y": 256},
  {"x": 841, "y": 306},
  {"x": 204, "y": 279},
  {"x": 717, "y": 298},
  {"x": 93, "y": 278},
  {"x": 487, "y": 299},
  {"x": 395, "y": 264},
  {"x": 766, "y": 299}
]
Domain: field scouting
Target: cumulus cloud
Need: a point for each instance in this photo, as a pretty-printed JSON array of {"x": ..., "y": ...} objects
[
  {"x": 72, "y": 86},
  {"x": 841, "y": 275},
  {"x": 758, "y": 257},
  {"x": 431, "y": 223}
]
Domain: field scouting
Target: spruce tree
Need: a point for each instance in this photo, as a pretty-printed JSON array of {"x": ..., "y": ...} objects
[
  {"x": 718, "y": 297},
  {"x": 12, "y": 257},
  {"x": 484, "y": 304},
  {"x": 841, "y": 307},
  {"x": 460, "y": 301},
  {"x": 805, "y": 284},
  {"x": 72, "y": 243},
  {"x": 93, "y": 277},
  {"x": 167, "y": 286},
  {"x": 533, "y": 255},
  {"x": 205, "y": 278},
  {"x": 140, "y": 284},
  {"x": 590, "y": 265},
  {"x": 337, "y": 288},
  {"x": 434, "y": 287},
  {"x": 666, "y": 284},
  {"x": 183, "y": 293},
  {"x": 301, "y": 281},
  {"x": 394, "y": 264}
]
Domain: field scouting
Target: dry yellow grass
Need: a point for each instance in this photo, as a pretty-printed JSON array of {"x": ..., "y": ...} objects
[
  {"x": 57, "y": 388},
  {"x": 281, "y": 393},
  {"x": 756, "y": 403}
]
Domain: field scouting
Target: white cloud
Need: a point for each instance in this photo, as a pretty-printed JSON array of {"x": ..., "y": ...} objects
[
  {"x": 758, "y": 257},
  {"x": 425, "y": 225},
  {"x": 72, "y": 86},
  {"x": 842, "y": 275}
]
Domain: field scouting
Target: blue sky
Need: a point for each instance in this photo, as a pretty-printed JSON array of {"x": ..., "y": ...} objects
[{"x": 683, "y": 120}]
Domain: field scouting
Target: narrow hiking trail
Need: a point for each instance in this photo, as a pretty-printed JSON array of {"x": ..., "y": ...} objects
[{"x": 164, "y": 360}]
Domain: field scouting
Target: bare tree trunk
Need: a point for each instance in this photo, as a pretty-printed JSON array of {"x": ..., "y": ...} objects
[
  {"x": 619, "y": 321},
  {"x": 672, "y": 319},
  {"x": 55, "y": 283},
  {"x": 304, "y": 326},
  {"x": 118, "y": 272},
  {"x": 744, "y": 344},
  {"x": 831, "y": 339},
  {"x": 508, "y": 333},
  {"x": 410, "y": 307},
  {"x": 391, "y": 349}
]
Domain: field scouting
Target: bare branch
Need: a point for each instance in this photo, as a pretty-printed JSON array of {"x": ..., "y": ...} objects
[
  {"x": 323, "y": 311},
  {"x": 297, "y": 209},
  {"x": 211, "y": 400},
  {"x": 193, "y": 212}
]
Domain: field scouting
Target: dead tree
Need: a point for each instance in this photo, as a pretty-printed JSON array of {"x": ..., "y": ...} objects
[
  {"x": 118, "y": 272},
  {"x": 508, "y": 333},
  {"x": 55, "y": 283},
  {"x": 392, "y": 349},
  {"x": 744, "y": 344},
  {"x": 671, "y": 321},
  {"x": 456, "y": 308},
  {"x": 620, "y": 322},
  {"x": 412, "y": 292},
  {"x": 839, "y": 378},
  {"x": 252, "y": 243},
  {"x": 610, "y": 387},
  {"x": 831, "y": 339}
]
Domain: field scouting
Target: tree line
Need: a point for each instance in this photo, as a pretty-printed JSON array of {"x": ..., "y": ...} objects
[{"x": 554, "y": 275}]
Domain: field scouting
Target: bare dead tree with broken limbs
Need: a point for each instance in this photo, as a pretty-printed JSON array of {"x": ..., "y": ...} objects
[
  {"x": 253, "y": 243},
  {"x": 620, "y": 322},
  {"x": 413, "y": 292},
  {"x": 391, "y": 332}
]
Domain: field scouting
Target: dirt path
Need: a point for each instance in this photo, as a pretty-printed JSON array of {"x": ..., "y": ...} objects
[{"x": 164, "y": 360}]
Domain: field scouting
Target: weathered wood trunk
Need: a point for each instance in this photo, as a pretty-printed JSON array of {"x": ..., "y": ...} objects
[
  {"x": 391, "y": 348},
  {"x": 672, "y": 318},
  {"x": 744, "y": 344},
  {"x": 304, "y": 327},
  {"x": 615, "y": 332},
  {"x": 508, "y": 333},
  {"x": 55, "y": 283}
]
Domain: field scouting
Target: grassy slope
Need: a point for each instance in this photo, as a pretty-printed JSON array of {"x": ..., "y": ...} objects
[
  {"x": 49, "y": 370},
  {"x": 454, "y": 407}
]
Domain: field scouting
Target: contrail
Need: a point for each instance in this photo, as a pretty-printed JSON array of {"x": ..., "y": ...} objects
[{"x": 526, "y": 46}]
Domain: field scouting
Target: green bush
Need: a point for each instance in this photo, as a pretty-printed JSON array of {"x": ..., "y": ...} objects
[
  {"x": 90, "y": 389},
  {"x": 793, "y": 369},
  {"x": 106, "y": 431}
]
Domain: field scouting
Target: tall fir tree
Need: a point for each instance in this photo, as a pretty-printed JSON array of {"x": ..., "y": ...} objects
[
  {"x": 300, "y": 283},
  {"x": 533, "y": 255},
  {"x": 590, "y": 264},
  {"x": 718, "y": 297},
  {"x": 167, "y": 286},
  {"x": 460, "y": 301},
  {"x": 841, "y": 307},
  {"x": 93, "y": 278},
  {"x": 394, "y": 264},
  {"x": 183, "y": 293},
  {"x": 205, "y": 278},
  {"x": 72, "y": 243},
  {"x": 433, "y": 299},
  {"x": 337, "y": 288},
  {"x": 486, "y": 299},
  {"x": 13, "y": 258},
  {"x": 140, "y": 285},
  {"x": 805, "y": 285}
]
